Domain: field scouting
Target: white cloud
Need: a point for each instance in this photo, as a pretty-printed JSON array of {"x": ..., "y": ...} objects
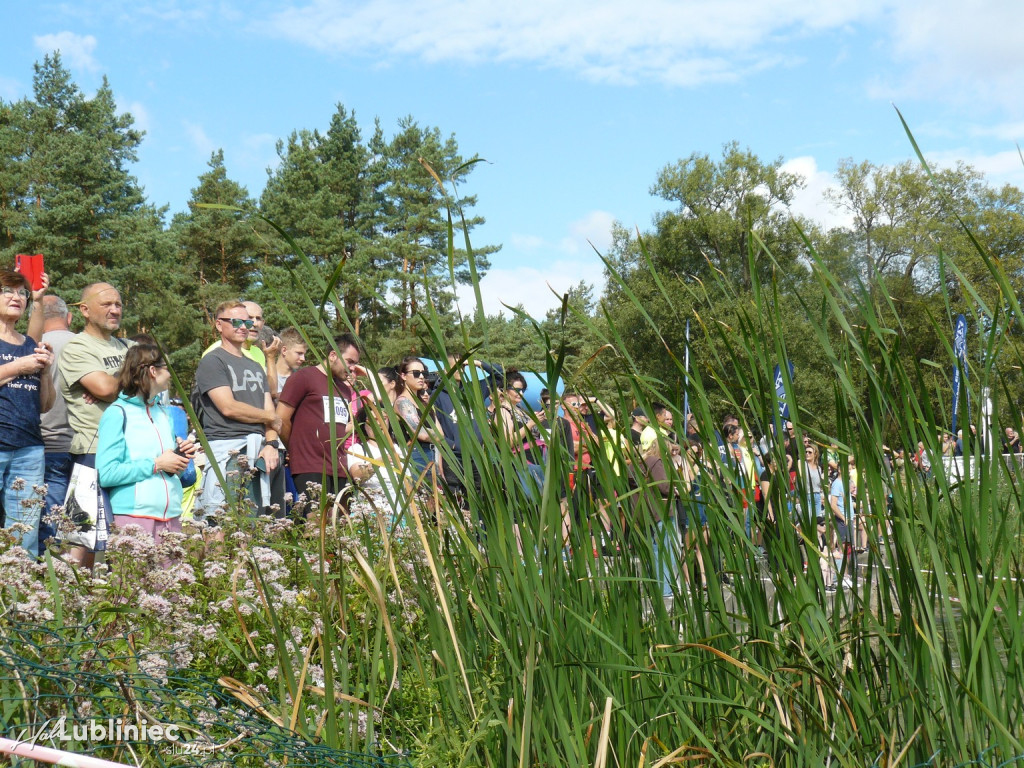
[
  {"x": 76, "y": 50},
  {"x": 566, "y": 262},
  {"x": 969, "y": 52},
  {"x": 203, "y": 143},
  {"x": 999, "y": 168},
  {"x": 680, "y": 43},
  {"x": 585, "y": 234},
  {"x": 520, "y": 242},
  {"x": 1012, "y": 131},
  {"x": 532, "y": 287},
  {"x": 141, "y": 115},
  {"x": 810, "y": 201}
]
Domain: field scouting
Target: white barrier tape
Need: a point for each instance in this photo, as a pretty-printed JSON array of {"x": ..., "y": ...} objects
[{"x": 54, "y": 756}]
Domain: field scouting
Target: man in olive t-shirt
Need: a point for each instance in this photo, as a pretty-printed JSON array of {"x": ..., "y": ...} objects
[
  {"x": 90, "y": 363},
  {"x": 89, "y": 366}
]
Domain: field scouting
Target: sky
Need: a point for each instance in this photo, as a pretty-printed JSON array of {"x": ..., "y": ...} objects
[{"x": 575, "y": 106}]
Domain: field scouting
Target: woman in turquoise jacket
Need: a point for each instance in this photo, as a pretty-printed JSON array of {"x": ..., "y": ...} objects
[{"x": 138, "y": 458}]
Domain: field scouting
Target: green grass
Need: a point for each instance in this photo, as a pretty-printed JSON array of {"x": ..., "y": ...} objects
[{"x": 542, "y": 655}]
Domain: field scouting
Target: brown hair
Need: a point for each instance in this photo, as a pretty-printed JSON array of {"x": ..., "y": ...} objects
[
  {"x": 134, "y": 376},
  {"x": 11, "y": 279},
  {"x": 291, "y": 337},
  {"x": 224, "y": 306}
]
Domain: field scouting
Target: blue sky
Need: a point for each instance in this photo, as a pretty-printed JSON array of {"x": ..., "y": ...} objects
[{"x": 574, "y": 105}]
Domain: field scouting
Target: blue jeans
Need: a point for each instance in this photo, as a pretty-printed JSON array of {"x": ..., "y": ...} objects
[
  {"x": 665, "y": 542},
  {"x": 21, "y": 503},
  {"x": 57, "y": 475},
  {"x": 532, "y": 480},
  {"x": 814, "y": 505}
]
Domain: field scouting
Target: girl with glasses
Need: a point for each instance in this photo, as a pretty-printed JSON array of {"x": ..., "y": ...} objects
[{"x": 138, "y": 459}]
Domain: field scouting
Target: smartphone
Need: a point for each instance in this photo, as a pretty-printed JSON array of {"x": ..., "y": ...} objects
[
  {"x": 191, "y": 437},
  {"x": 31, "y": 266}
]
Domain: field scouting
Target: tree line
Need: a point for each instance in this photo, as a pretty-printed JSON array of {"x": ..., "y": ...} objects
[
  {"x": 67, "y": 191},
  {"x": 380, "y": 205}
]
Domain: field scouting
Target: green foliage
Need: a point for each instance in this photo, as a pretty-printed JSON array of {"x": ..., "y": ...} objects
[{"x": 65, "y": 189}]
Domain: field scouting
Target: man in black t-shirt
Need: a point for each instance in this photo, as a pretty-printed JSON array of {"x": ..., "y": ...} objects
[{"x": 640, "y": 421}]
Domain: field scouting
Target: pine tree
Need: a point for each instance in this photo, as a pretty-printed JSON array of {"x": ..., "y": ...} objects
[
  {"x": 67, "y": 192},
  {"x": 413, "y": 216},
  {"x": 316, "y": 195},
  {"x": 220, "y": 246}
]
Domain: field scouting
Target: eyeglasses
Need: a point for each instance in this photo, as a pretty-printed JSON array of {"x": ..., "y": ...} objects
[
  {"x": 159, "y": 365},
  {"x": 236, "y": 323},
  {"x": 8, "y": 292},
  {"x": 417, "y": 374}
]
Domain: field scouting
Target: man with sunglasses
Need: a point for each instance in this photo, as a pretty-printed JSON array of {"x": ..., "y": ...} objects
[
  {"x": 251, "y": 347},
  {"x": 237, "y": 415}
]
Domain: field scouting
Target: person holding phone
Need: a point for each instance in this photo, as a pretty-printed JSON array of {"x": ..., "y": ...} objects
[
  {"x": 26, "y": 392},
  {"x": 138, "y": 458}
]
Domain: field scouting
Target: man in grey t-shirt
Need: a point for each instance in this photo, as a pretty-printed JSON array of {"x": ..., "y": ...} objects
[{"x": 237, "y": 415}]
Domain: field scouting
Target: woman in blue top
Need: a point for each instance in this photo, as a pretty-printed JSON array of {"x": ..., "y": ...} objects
[
  {"x": 138, "y": 457},
  {"x": 26, "y": 391}
]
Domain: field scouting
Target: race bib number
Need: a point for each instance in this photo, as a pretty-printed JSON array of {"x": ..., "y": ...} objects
[{"x": 338, "y": 407}]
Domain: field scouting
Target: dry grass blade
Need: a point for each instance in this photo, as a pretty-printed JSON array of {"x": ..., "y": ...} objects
[
  {"x": 375, "y": 590},
  {"x": 249, "y": 697},
  {"x": 440, "y": 594},
  {"x": 602, "y": 741}
]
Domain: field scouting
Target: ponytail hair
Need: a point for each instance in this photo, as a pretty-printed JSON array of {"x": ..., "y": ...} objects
[{"x": 389, "y": 373}]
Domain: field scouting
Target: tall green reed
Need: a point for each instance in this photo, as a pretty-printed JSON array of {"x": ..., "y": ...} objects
[{"x": 538, "y": 652}]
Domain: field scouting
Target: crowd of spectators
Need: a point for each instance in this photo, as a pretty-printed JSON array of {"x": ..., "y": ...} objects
[{"x": 280, "y": 430}]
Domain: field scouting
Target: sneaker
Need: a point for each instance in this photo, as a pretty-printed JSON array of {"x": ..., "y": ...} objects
[
  {"x": 830, "y": 588},
  {"x": 847, "y": 582}
]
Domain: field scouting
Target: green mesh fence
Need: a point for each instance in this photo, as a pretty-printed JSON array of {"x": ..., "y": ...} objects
[
  {"x": 62, "y": 683},
  {"x": 988, "y": 759}
]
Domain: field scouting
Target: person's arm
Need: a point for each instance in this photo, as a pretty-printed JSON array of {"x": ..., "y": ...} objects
[
  {"x": 285, "y": 412},
  {"x": 24, "y": 366},
  {"x": 36, "y": 320},
  {"x": 47, "y": 393},
  {"x": 235, "y": 410},
  {"x": 271, "y": 353},
  {"x": 411, "y": 414},
  {"x": 114, "y": 467},
  {"x": 835, "y": 508},
  {"x": 766, "y": 489},
  {"x": 269, "y": 452},
  {"x": 101, "y": 385},
  {"x": 78, "y": 366}
]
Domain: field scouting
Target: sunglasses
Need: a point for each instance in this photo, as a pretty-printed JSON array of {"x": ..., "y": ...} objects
[
  {"x": 520, "y": 390},
  {"x": 236, "y": 323},
  {"x": 417, "y": 374}
]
